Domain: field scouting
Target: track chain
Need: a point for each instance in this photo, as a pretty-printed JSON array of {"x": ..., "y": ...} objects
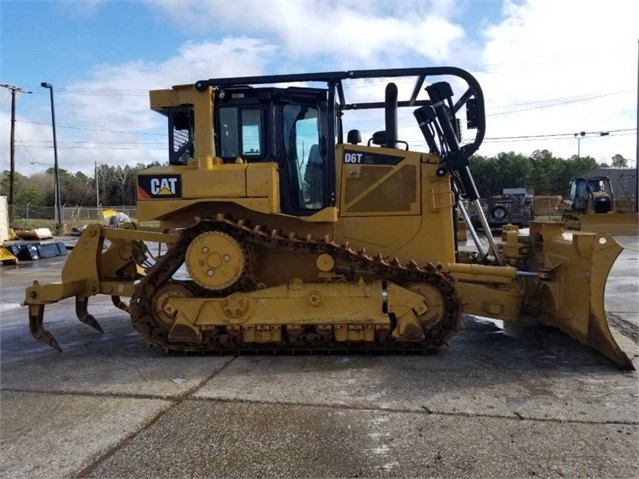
[{"x": 156, "y": 334}]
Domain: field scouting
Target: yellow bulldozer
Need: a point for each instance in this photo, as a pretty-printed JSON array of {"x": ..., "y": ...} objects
[
  {"x": 284, "y": 234},
  {"x": 592, "y": 206}
]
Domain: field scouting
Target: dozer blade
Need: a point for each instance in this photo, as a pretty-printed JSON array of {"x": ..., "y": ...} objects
[
  {"x": 621, "y": 224},
  {"x": 575, "y": 267}
]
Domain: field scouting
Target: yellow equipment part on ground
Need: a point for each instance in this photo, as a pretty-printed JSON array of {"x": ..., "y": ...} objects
[
  {"x": 6, "y": 257},
  {"x": 106, "y": 214}
]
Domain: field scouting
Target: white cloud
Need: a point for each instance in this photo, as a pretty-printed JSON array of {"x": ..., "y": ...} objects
[
  {"x": 345, "y": 34},
  {"x": 568, "y": 51},
  {"x": 539, "y": 52},
  {"x": 112, "y": 105},
  {"x": 130, "y": 82},
  {"x": 83, "y": 9}
]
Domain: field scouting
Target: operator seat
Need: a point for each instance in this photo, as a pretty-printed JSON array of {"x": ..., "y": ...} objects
[{"x": 314, "y": 176}]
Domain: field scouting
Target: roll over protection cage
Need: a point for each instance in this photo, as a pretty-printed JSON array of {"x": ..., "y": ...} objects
[{"x": 453, "y": 156}]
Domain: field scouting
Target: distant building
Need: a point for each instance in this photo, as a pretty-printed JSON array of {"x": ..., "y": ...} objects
[{"x": 623, "y": 182}]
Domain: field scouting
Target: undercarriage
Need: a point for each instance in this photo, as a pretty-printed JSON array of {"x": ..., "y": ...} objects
[{"x": 356, "y": 302}]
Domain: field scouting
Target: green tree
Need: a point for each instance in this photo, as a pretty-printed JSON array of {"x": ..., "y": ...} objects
[
  {"x": 546, "y": 178},
  {"x": 542, "y": 172},
  {"x": 618, "y": 161},
  {"x": 483, "y": 170},
  {"x": 514, "y": 171},
  {"x": 35, "y": 190},
  {"x": 118, "y": 185}
]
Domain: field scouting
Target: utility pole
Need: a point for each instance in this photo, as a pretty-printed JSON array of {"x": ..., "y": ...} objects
[
  {"x": 97, "y": 187},
  {"x": 637, "y": 140},
  {"x": 582, "y": 134},
  {"x": 56, "y": 174},
  {"x": 12, "y": 145},
  {"x": 579, "y": 136}
]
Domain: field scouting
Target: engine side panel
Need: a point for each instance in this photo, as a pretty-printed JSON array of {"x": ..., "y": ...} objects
[{"x": 391, "y": 201}]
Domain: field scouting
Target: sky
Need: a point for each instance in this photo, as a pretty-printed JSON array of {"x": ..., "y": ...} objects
[{"x": 548, "y": 68}]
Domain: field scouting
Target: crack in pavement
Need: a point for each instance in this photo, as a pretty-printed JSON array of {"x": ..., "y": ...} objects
[
  {"x": 175, "y": 401},
  {"x": 426, "y": 410}
]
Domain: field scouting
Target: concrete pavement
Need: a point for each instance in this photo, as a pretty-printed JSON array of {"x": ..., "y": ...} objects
[{"x": 521, "y": 401}]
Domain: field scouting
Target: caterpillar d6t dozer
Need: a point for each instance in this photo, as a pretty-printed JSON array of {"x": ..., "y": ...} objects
[{"x": 282, "y": 233}]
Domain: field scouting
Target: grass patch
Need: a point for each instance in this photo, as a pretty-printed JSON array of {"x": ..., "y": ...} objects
[
  {"x": 24, "y": 224},
  {"x": 30, "y": 224}
]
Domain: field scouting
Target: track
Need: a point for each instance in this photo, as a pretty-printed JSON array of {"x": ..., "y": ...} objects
[{"x": 155, "y": 333}]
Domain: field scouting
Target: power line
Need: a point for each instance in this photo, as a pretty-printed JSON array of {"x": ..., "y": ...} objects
[
  {"x": 98, "y": 92},
  {"x": 561, "y": 136},
  {"x": 26, "y": 162},
  {"x": 547, "y": 139},
  {"x": 584, "y": 97},
  {"x": 73, "y": 127},
  {"x": 571, "y": 135},
  {"x": 100, "y": 148},
  {"x": 12, "y": 147},
  {"x": 555, "y": 102},
  {"x": 41, "y": 143},
  {"x": 140, "y": 146},
  {"x": 576, "y": 100},
  {"x": 26, "y": 150}
]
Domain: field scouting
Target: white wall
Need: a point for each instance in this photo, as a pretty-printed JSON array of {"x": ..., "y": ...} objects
[{"x": 4, "y": 219}]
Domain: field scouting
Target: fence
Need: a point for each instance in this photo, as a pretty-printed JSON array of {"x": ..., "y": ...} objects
[{"x": 74, "y": 214}]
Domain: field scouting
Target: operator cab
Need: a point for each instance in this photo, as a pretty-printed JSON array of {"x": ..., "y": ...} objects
[
  {"x": 591, "y": 193},
  {"x": 283, "y": 125},
  {"x": 288, "y": 126}
]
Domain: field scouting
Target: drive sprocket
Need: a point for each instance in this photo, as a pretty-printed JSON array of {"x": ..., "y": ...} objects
[{"x": 216, "y": 260}]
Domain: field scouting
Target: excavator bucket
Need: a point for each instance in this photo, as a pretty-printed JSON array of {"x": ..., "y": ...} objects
[
  {"x": 614, "y": 223},
  {"x": 573, "y": 269}
]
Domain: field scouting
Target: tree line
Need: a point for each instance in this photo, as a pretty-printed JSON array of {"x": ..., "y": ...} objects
[
  {"x": 116, "y": 186},
  {"x": 542, "y": 172}
]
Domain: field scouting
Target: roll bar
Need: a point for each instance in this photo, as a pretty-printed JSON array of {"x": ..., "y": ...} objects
[{"x": 335, "y": 80}]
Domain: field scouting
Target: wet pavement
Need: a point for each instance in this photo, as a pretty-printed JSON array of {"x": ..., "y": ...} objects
[{"x": 519, "y": 401}]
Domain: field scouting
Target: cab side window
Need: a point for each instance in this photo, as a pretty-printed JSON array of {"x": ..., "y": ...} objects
[{"x": 240, "y": 133}]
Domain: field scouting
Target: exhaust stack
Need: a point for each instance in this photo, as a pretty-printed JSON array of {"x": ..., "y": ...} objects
[{"x": 391, "y": 116}]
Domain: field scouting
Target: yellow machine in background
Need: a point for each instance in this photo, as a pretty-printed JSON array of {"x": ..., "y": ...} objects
[
  {"x": 284, "y": 234},
  {"x": 593, "y": 207}
]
